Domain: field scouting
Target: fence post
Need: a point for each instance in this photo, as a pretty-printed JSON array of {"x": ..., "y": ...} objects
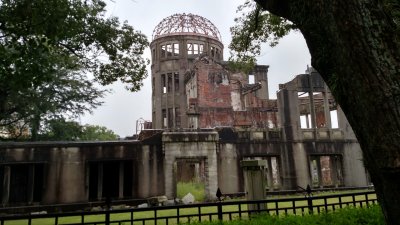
[
  {"x": 219, "y": 195},
  {"x": 108, "y": 208},
  {"x": 309, "y": 199}
]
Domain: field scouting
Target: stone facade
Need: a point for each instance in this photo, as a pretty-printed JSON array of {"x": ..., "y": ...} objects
[
  {"x": 208, "y": 120},
  {"x": 73, "y": 172}
]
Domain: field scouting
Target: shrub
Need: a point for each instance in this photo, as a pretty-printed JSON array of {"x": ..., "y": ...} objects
[{"x": 355, "y": 216}]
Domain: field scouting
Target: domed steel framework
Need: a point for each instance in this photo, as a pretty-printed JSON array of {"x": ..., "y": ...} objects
[{"x": 186, "y": 24}]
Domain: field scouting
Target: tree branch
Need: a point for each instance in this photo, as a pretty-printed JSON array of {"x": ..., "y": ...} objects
[{"x": 277, "y": 7}]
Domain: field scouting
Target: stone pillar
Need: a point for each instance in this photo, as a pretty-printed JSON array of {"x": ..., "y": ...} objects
[
  {"x": 254, "y": 181},
  {"x": 121, "y": 180},
  {"x": 144, "y": 172},
  {"x": 66, "y": 176},
  {"x": 100, "y": 181},
  {"x": 301, "y": 165},
  {"x": 6, "y": 186},
  {"x": 312, "y": 105},
  {"x": 353, "y": 167},
  {"x": 327, "y": 111}
]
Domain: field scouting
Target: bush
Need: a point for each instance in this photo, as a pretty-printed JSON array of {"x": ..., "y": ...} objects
[{"x": 355, "y": 216}]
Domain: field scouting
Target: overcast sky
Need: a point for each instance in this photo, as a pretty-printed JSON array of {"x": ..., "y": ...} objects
[{"x": 122, "y": 108}]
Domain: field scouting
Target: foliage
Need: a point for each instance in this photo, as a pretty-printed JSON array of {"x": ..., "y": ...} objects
[
  {"x": 97, "y": 133},
  {"x": 349, "y": 215},
  {"x": 67, "y": 94},
  {"x": 252, "y": 28},
  {"x": 45, "y": 43},
  {"x": 195, "y": 188},
  {"x": 62, "y": 130}
]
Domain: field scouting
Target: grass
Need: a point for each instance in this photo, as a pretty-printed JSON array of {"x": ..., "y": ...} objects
[
  {"x": 188, "y": 211},
  {"x": 355, "y": 216},
  {"x": 195, "y": 188}
]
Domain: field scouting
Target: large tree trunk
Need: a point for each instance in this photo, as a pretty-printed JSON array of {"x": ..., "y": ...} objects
[{"x": 355, "y": 45}]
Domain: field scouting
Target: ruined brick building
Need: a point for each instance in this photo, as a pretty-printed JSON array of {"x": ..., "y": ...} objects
[
  {"x": 194, "y": 88},
  {"x": 205, "y": 119}
]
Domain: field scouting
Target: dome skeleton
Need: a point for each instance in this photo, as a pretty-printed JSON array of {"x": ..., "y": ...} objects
[{"x": 186, "y": 24}]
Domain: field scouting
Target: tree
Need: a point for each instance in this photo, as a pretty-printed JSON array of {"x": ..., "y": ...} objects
[
  {"x": 41, "y": 39},
  {"x": 67, "y": 95},
  {"x": 59, "y": 129},
  {"x": 97, "y": 133},
  {"x": 355, "y": 46}
]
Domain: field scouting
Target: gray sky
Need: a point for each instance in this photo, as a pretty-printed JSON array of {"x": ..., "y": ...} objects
[{"x": 122, "y": 108}]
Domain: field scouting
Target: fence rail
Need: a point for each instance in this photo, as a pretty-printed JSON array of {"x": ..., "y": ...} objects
[{"x": 227, "y": 210}]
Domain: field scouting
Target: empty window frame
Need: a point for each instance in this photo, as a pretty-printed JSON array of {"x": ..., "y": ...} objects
[
  {"x": 169, "y": 50},
  {"x": 164, "y": 118},
  {"x": 218, "y": 53},
  {"x": 153, "y": 55},
  {"x": 176, "y": 81},
  {"x": 326, "y": 170},
  {"x": 212, "y": 52},
  {"x": 176, "y": 49},
  {"x": 25, "y": 182},
  {"x": 195, "y": 49},
  {"x": 163, "y": 84},
  {"x": 163, "y": 51},
  {"x": 190, "y": 49},
  {"x": 170, "y": 117},
  {"x": 169, "y": 84},
  {"x": 201, "y": 48},
  {"x": 110, "y": 179},
  {"x": 251, "y": 79}
]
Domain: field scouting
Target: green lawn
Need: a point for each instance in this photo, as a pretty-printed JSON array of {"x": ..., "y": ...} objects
[
  {"x": 190, "y": 211},
  {"x": 195, "y": 188}
]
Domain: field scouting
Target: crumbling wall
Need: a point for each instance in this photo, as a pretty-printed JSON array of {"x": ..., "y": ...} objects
[
  {"x": 222, "y": 100},
  {"x": 72, "y": 172}
]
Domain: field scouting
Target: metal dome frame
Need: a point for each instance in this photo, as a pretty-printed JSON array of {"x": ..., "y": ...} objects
[{"x": 186, "y": 24}]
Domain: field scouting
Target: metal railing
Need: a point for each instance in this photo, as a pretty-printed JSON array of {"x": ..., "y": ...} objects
[{"x": 176, "y": 214}]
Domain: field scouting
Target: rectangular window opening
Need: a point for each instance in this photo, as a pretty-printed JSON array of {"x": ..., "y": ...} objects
[
  {"x": 190, "y": 49},
  {"x": 176, "y": 82},
  {"x": 218, "y": 53},
  {"x": 164, "y": 118},
  {"x": 195, "y": 49},
  {"x": 334, "y": 119},
  {"x": 251, "y": 79},
  {"x": 212, "y": 52},
  {"x": 305, "y": 121},
  {"x": 169, "y": 50},
  {"x": 201, "y": 48},
  {"x": 163, "y": 84},
  {"x": 170, "y": 117},
  {"x": 169, "y": 88},
  {"x": 176, "y": 49},
  {"x": 128, "y": 175},
  {"x": 163, "y": 51}
]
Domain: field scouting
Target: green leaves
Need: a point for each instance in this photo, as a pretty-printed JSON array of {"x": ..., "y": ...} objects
[
  {"x": 41, "y": 39},
  {"x": 64, "y": 130},
  {"x": 254, "y": 27}
]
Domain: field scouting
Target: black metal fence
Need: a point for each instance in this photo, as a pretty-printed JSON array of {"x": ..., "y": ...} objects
[{"x": 226, "y": 210}]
